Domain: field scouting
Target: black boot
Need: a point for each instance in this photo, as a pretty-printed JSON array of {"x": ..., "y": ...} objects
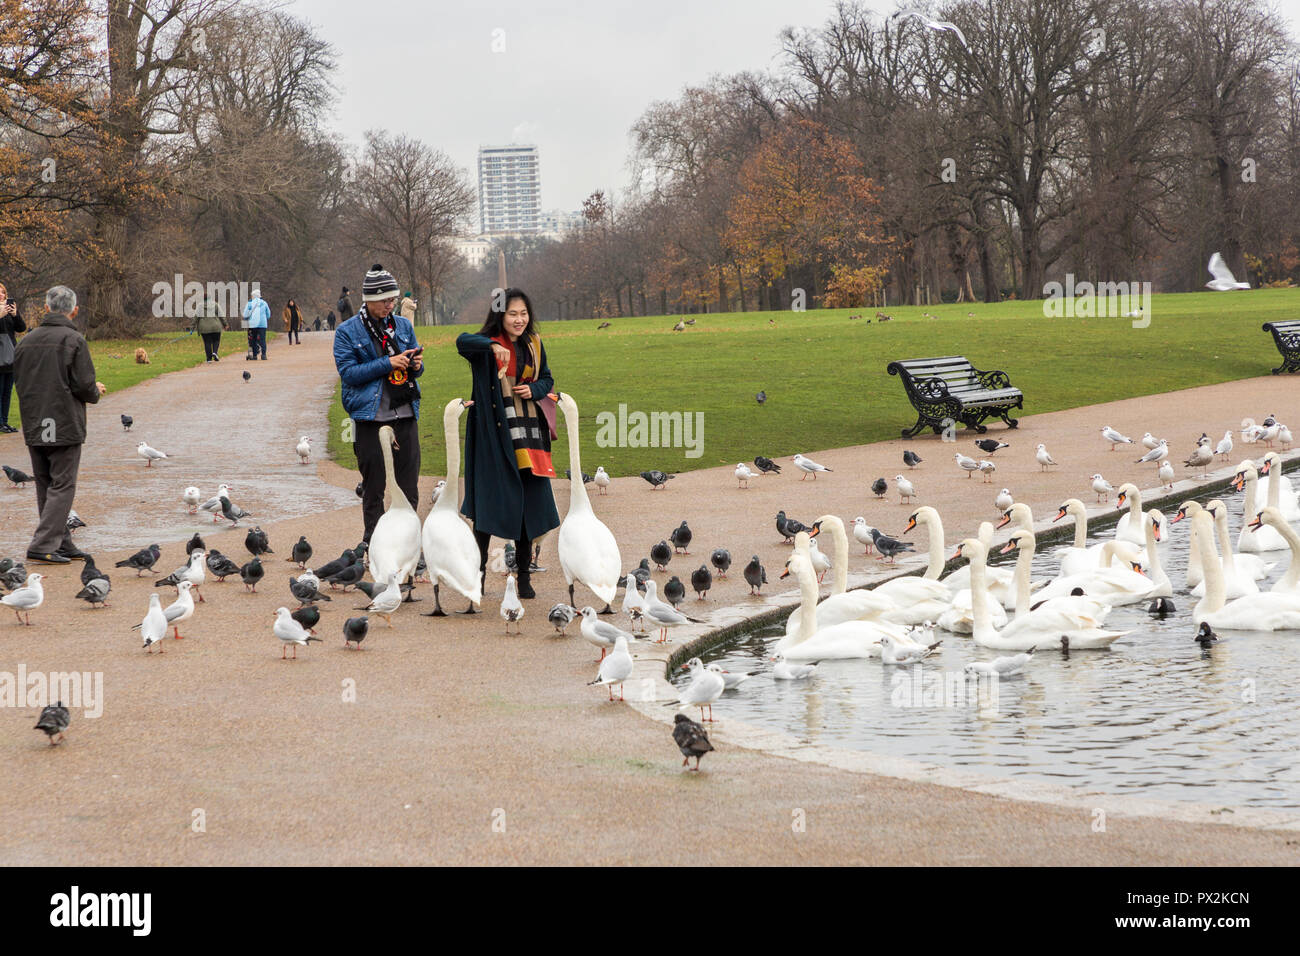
[{"x": 525, "y": 588}]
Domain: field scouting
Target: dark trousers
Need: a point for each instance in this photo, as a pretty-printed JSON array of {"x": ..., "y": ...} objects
[
  {"x": 256, "y": 341},
  {"x": 523, "y": 554},
  {"x": 211, "y": 345},
  {"x": 293, "y": 332},
  {"x": 55, "y": 470},
  {"x": 370, "y": 462},
  {"x": 6, "y": 393}
]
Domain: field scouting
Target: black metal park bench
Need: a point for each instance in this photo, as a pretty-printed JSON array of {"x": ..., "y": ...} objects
[
  {"x": 949, "y": 391},
  {"x": 1286, "y": 335}
]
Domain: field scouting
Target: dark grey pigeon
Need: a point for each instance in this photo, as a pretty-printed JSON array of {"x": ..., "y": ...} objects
[
  {"x": 74, "y": 521},
  {"x": 194, "y": 544},
  {"x": 890, "y": 547},
  {"x": 17, "y": 476},
  {"x": 674, "y": 591},
  {"x": 586, "y": 478},
  {"x": 681, "y": 538},
  {"x": 990, "y": 445},
  {"x": 256, "y": 542},
  {"x": 127, "y": 422},
  {"x": 308, "y": 616},
  {"x": 721, "y": 559},
  {"x": 252, "y": 573},
  {"x": 90, "y": 572},
  {"x": 642, "y": 574},
  {"x": 767, "y": 465},
  {"x": 306, "y": 592},
  {"x": 221, "y": 566},
  {"x": 247, "y": 375},
  {"x": 355, "y": 630},
  {"x": 661, "y": 554},
  {"x": 54, "y": 720},
  {"x": 701, "y": 581},
  {"x": 755, "y": 575},
  {"x": 142, "y": 560},
  {"x": 328, "y": 570},
  {"x": 788, "y": 527},
  {"x": 232, "y": 513},
  {"x": 656, "y": 478},
  {"x": 911, "y": 459},
  {"x": 95, "y": 592},
  {"x": 691, "y": 740},
  {"x": 348, "y": 577},
  {"x": 301, "y": 552},
  {"x": 761, "y": 397},
  {"x": 880, "y": 487}
]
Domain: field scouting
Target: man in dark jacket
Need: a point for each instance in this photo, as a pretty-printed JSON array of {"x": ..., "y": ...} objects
[
  {"x": 55, "y": 378},
  {"x": 378, "y": 360},
  {"x": 344, "y": 305},
  {"x": 11, "y": 323}
]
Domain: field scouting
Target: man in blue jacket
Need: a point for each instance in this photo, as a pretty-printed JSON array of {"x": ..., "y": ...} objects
[
  {"x": 379, "y": 359},
  {"x": 257, "y": 312}
]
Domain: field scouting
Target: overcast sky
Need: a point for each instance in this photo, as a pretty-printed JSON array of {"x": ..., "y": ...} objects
[{"x": 574, "y": 77}]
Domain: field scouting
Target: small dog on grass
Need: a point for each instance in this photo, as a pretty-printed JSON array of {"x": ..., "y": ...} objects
[{"x": 141, "y": 357}]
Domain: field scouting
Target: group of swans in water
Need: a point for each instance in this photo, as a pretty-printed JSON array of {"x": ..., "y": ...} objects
[{"x": 1003, "y": 609}]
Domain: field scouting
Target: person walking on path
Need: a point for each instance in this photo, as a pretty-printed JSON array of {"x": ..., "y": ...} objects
[
  {"x": 257, "y": 312},
  {"x": 329, "y": 321},
  {"x": 378, "y": 360},
  {"x": 344, "y": 305},
  {"x": 209, "y": 326},
  {"x": 293, "y": 322},
  {"x": 407, "y": 309},
  {"x": 508, "y": 468},
  {"x": 11, "y": 323},
  {"x": 55, "y": 377}
]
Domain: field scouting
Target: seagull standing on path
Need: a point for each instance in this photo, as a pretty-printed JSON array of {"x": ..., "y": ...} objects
[
  {"x": 808, "y": 467},
  {"x": 512, "y": 609},
  {"x": 1004, "y": 500},
  {"x": 987, "y": 468},
  {"x": 601, "y": 634},
  {"x": 1159, "y": 453},
  {"x": 862, "y": 532},
  {"x": 743, "y": 474},
  {"x": 705, "y": 687},
  {"x": 304, "y": 450},
  {"x": 1150, "y": 442},
  {"x": 192, "y": 497},
  {"x": 26, "y": 599},
  {"x": 1114, "y": 437},
  {"x": 153, "y": 628},
  {"x": 1224, "y": 447},
  {"x": 602, "y": 479},
  {"x": 615, "y": 668},
  {"x": 1044, "y": 457},
  {"x": 1166, "y": 474},
  {"x": 1201, "y": 459},
  {"x": 968, "y": 464},
  {"x": 290, "y": 632},
  {"x": 906, "y": 492},
  {"x": 149, "y": 454}
]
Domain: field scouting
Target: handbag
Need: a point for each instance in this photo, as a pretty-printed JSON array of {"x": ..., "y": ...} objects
[{"x": 546, "y": 404}]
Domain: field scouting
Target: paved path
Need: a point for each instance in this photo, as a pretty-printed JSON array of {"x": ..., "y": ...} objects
[{"x": 412, "y": 749}]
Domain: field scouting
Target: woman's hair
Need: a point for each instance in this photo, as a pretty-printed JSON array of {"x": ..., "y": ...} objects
[
  {"x": 495, "y": 323},
  {"x": 290, "y": 302}
]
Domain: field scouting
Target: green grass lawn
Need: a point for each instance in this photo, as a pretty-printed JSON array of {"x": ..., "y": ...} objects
[
  {"x": 825, "y": 375},
  {"x": 116, "y": 367}
]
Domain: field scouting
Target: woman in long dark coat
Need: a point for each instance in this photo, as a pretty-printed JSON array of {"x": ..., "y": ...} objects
[{"x": 508, "y": 467}]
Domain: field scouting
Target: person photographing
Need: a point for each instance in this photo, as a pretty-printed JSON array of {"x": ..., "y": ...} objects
[{"x": 378, "y": 361}]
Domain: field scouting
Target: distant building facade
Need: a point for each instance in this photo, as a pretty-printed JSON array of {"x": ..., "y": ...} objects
[{"x": 509, "y": 189}]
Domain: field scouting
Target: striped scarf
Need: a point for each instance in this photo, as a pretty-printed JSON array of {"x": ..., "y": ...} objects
[{"x": 529, "y": 431}]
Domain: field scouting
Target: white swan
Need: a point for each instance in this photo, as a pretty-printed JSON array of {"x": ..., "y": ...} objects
[
  {"x": 588, "y": 551},
  {"x": 1113, "y": 586},
  {"x": 395, "y": 542},
  {"x": 1240, "y": 571},
  {"x": 1279, "y": 494},
  {"x": 959, "y": 580},
  {"x": 1154, "y": 528},
  {"x": 1289, "y": 582},
  {"x": 1187, "y": 511},
  {"x": 1129, "y": 528},
  {"x": 1276, "y": 488},
  {"x": 450, "y": 552},
  {"x": 1043, "y": 628},
  {"x": 1266, "y": 539},
  {"x": 1269, "y": 611},
  {"x": 1078, "y": 557},
  {"x": 1087, "y": 612},
  {"x": 844, "y": 641},
  {"x": 842, "y": 605}
]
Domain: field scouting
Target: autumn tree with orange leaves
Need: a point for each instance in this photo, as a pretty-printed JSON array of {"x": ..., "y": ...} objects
[{"x": 807, "y": 213}]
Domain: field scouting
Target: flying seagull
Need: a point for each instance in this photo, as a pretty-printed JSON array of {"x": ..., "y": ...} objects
[
  {"x": 933, "y": 24},
  {"x": 1224, "y": 280}
]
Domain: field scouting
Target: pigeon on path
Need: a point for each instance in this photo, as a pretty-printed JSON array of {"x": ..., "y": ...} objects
[
  {"x": 766, "y": 465},
  {"x": 661, "y": 554},
  {"x": 142, "y": 560},
  {"x": 681, "y": 538},
  {"x": 657, "y": 478},
  {"x": 721, "y": 559},
  {"x": 127, "y": 422},
  {"x": 691, "y": 740},
  {"x": 53, "y": 721},
  {"x": 911, "y": 459},
  {"x": 755, "y": 575},
  {"x": 17, "y": 475},
  {"x": 355, "y": 630}
]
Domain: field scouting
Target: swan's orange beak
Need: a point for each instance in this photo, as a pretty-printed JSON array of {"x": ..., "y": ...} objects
[
  {"x": 1238, "y": 482},
  {"x": 1060, "y": 514},
  {"x": 1265, "y": 469},
  {"x": 1122, "y": 498},
  {"x": 1008, "y": 547},
  {"x": 1006, "y": 520},
  {"x": 911, "y": 523},
  {"x": 1257, "y": 523},
  {"x": 816, "y": 530},
  {"x": 783, "y": 574},
  {"x": 1182, "y": 513},
  {"x": 956, "y": 554},
  {"x": 1156, "y": 528},
  {"x": 1138, "y": 568}
]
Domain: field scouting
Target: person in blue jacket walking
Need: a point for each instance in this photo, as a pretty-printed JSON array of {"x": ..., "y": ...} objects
[
  {"x": 257, "y": 312},
  {"x": 378, "y": 360}
]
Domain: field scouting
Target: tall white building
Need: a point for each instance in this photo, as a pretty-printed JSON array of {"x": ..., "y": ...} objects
[{"x": 509, "y": 189}]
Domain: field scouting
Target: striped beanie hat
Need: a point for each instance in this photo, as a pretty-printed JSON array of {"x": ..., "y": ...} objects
[{"x": 379, "y": 284}]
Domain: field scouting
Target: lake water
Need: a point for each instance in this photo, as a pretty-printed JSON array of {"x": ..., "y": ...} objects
[{"x": 1151, "y": 716}]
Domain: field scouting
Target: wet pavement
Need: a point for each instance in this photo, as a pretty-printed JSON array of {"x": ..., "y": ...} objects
[{"x": 214, "y": 428}]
